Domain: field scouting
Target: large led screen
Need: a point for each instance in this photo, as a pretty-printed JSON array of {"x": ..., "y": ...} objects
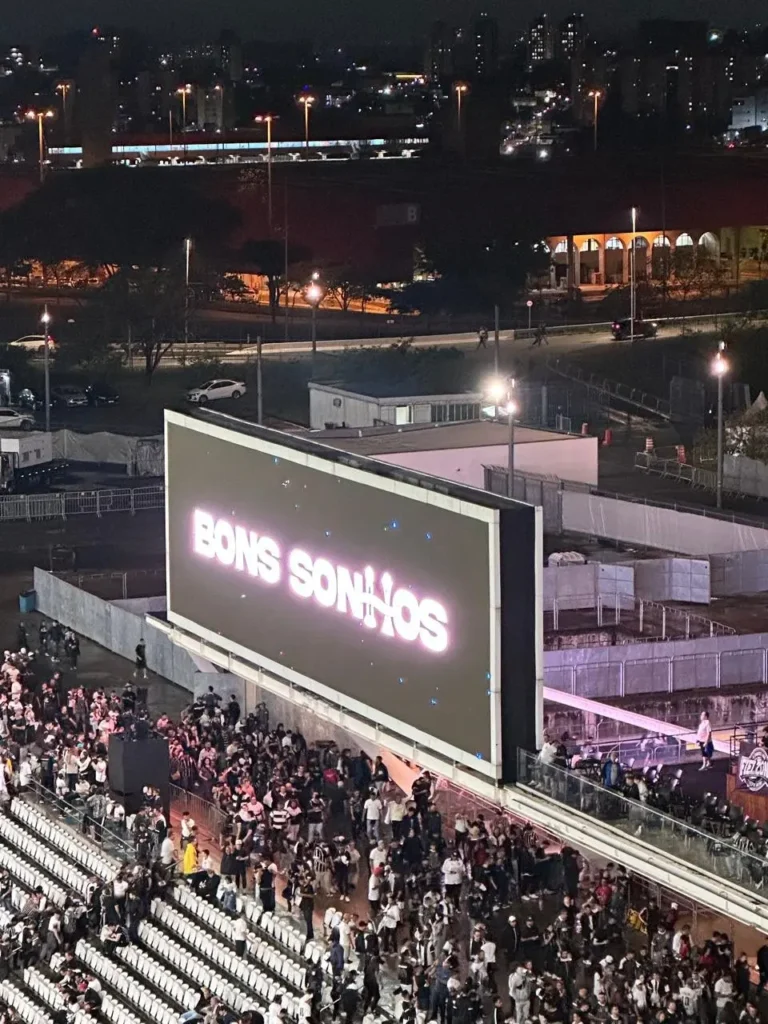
[{"x": 380, "y": 595}]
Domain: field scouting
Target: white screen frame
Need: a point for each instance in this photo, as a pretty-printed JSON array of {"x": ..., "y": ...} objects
[{"x": 492, "y": 766}]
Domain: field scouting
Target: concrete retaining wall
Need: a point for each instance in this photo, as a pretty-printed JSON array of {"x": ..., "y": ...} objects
[{"x": 119, "y": 625}]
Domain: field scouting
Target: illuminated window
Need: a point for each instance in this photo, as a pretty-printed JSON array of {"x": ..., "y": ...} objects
[
  {"x": 614, "y": 243},
  {"x": 661, "y": 241},
  {"x": 683, "y": 240}
]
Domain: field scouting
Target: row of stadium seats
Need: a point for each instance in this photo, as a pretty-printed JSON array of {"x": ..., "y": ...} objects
[
  {"x": 26, "y": 1008},
  {"x": 263, "y": 990},
  {"x": 47, "y": 858},
  {"x": 163, "y": 979},
  {"x": 48, "y": 993},
  {"x": 285, "y": 967},
  {"x": 125, "y": 984},
  {"x": 30, "y": 876},
  {"x": 95, "y": 861},
  {"x": 169, "y": 968}
]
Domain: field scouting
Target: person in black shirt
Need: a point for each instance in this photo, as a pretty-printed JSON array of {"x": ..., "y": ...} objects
[{"x": 140, "y": 652}]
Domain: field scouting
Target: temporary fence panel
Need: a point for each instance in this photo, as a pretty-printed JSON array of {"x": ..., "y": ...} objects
[{"x": 62, "y": 505}]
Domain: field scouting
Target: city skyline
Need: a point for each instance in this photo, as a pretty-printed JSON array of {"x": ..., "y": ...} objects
[{"x": 399, "y": 21}]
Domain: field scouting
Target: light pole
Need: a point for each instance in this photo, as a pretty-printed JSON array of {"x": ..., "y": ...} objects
[
  {"x": 719, "y": 369},
  {"x": 39, "y": 116},
  {"x": 267, "y": 119},
  {"x": 529, "y": 304},
  {"x": 187, "y": 255},
  {"x": 306, "y": 100},
  {"x": 460, "y": 88},
  {"x": 314, "y": 295},
  {"x": 502, "y": 390},
  {"x": 595, "y": 94},
  {"x": 63, "y": 89},
  {"x": 632, "y": 278},
  {"x": 184, "y": 91},
  {"x": 45, "y": 320}
]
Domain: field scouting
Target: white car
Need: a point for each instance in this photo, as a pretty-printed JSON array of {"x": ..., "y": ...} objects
[
  {"x": 15, "y": 419},
  {"x": 213, "y": 390},
  {"x": 33, "y": 343}
]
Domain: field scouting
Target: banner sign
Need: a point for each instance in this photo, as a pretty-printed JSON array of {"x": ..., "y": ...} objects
[{"x": 752, "y": 772}]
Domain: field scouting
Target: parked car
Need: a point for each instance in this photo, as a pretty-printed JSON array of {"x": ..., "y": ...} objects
[
  {"x": 15, "y": 419},
  {"x": 622, "y": 330},
  {"x": 69, "y": 395},
  {"x": 213, "y": 390},
  {"x": 33, "y": 343},
  {"x": 101, "y": 393}
]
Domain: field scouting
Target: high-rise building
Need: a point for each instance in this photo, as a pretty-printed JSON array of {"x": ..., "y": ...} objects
[
  {"x": 571, "y": 36},
  {"x": 486, "y": 39},
  {"x": 439, "y": 60},
  {"x": 231, "y": 56},
  {"x": 541, "y": 40},
  {"x": 95, "y": 103}
]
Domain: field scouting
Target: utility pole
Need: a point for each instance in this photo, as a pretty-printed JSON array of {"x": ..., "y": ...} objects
[
  {"x": 496, "y": 339},
  {"x": 285, "y": 253},
  {"x": 259, "y": 385}
]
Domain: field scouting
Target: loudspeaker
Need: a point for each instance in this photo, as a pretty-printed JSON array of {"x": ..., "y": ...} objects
[{"x": 134, "y": 764}]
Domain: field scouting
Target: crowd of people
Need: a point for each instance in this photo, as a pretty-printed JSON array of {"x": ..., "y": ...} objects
[{"x": 427, "y": 919}]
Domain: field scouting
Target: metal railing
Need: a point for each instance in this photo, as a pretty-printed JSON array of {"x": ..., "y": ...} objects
[
  {"x": 729, "y": 858},
  {"x": 671, "y": 673},
  {"x": 63, "y": 504},
  {"x": 116, "y": 585},
  {"x": 621, "y": 618},
  {"x": 614, "y": 389},
  {"x": 209, "y": 818},
  {"x": 71, "y": 811}
]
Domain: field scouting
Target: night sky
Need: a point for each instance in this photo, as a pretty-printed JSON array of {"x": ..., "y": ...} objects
[{"x": 353, "y": 20}]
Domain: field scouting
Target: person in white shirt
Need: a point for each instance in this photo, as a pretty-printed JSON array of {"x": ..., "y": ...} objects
[
  {"x": 239, "y": 935},
  {"x": 378, "y": 856},
  {"x": 395, "y": 814},
  {"x": 453, "y": 876},
  {"x": 168, "y": 852},
  {"x": 374, "y": 893},
  {"x": 704, "y": 739},
  {"x": 373, "y": 808},
  {"x": 188, "y": 828}
]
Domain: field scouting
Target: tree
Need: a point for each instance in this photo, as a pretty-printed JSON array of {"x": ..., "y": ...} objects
[
  {"x": 346, "y": 283},
  {"x": 472, "y": 272},
  {"x": 267, "y": 257},
  {"x": 150, "y": 302},
  {"x": 115, "y": 217}
]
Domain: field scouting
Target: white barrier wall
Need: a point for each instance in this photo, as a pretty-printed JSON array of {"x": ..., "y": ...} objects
[
  {"x": 564, "y": 458},
  {"x": 650, "y": 526},
  {"x": 673, "y": 579},
  {"x": 663, "y": 667},
  {"x": 118, "y": 626},
  {"x": 740, "y": 572},
  {"x": 583, "y": 586}
]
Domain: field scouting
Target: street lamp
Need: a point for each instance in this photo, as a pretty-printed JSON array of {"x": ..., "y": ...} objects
[
  {"x": 45, "y": 320},
  {"x": 501, "y": 391},
  {"x": 63, "y": 88},
  {"x": 632, "y": 278},
  {"x": 187, "y": 256},
  {"x": 184, "y": 91},
  {"x": 719, "y": 369},
  {"x": 39, "y": 116},
  {"x": 596, "y": 95},
  {"x": 306, "y": 100},
  {"x": 314, "y": 295},
  {"x": 267, "y": 119},
  {"x": 460, "y": 88}
]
